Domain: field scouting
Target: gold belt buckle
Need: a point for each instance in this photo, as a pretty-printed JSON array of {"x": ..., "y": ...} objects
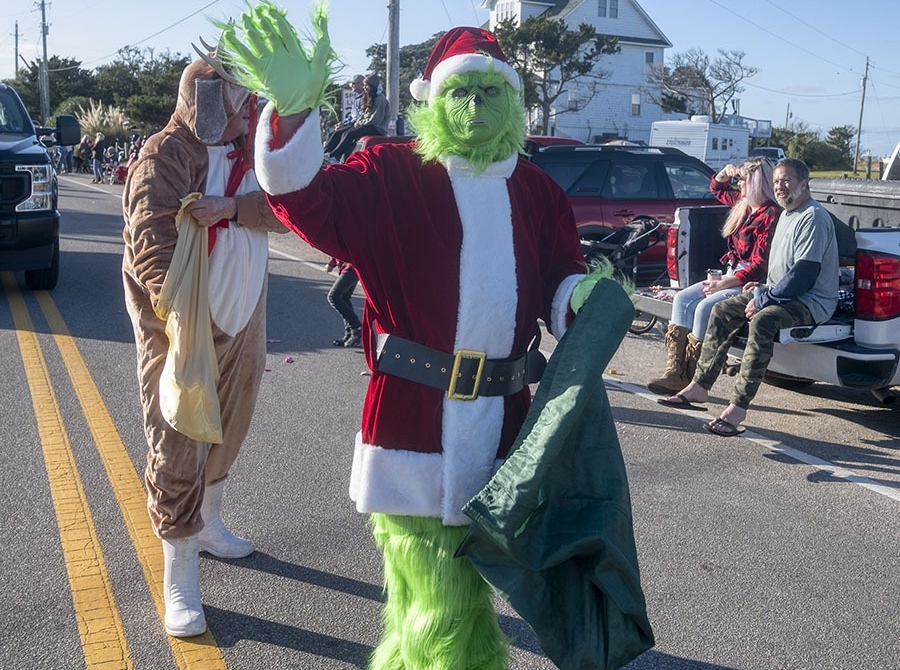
[{"x": 465, "y": 354}]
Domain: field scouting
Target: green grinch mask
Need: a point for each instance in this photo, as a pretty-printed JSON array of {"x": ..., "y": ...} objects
[
  {"x": 477, "y": 115},
  {"x": 478, "y": 111}
]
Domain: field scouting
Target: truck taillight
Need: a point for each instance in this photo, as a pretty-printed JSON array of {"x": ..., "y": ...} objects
[
  {"x": 877, "y": 286},
  {"x": 672, "y": 252}
]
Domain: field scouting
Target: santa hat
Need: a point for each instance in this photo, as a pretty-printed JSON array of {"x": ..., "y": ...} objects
[{"x": 462, "y": 50}]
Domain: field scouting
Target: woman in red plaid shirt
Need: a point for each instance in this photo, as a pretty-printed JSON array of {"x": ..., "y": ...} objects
[{"x": 747, "y": 189}]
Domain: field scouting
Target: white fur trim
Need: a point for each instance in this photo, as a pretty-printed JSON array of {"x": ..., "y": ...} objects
[
  {"x": 423, "y": 89},
  {"x": 292, "y": 167},
  {"x": 420, "y": 89},
  {"x": 408, "y": 483},
  {"x": 560, "y": 305},
  {"x": 486, "y": 321}
]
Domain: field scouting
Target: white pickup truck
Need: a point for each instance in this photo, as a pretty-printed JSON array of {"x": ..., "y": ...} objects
[{"x": 859, "y": 347}]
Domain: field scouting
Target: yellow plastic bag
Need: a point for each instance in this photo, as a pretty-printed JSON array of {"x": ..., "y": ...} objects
[{"x": 188, "y": 396}]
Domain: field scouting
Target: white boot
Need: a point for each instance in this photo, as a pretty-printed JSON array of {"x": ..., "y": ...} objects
[
  {"x": 181, "y": 588},
  {"x": 215, "y": 537}
]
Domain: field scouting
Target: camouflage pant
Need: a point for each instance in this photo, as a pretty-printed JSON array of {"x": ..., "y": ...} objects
[{"x": 726, "y": 323}]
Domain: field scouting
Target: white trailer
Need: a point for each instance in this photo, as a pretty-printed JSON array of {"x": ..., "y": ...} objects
[{"x": 716, "y": 144}]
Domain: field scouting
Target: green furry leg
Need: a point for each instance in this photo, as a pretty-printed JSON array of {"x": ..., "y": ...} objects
[{"x": 438, "y": 613}]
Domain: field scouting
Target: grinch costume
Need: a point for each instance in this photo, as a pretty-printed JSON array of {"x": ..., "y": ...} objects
[
  {"x": 461, "y": 246},
  {"x": 197, "y": 152}
]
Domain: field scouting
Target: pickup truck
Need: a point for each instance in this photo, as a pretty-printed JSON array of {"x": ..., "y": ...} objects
[
  {"x": 29, "y": 218},
  {"x": 859, "y": 347}
]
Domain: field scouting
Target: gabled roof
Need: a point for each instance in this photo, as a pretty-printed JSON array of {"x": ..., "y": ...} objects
[{"x": 562, "y": 8}]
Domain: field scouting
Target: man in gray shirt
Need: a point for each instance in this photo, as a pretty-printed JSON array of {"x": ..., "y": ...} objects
[{"x": 801, "y": 289}]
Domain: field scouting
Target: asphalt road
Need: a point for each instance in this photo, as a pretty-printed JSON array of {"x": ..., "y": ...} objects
[{"x": 776, "y": 549}]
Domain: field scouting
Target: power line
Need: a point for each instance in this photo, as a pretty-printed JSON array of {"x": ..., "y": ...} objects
[
  {"x": 812, "y": 27},
  {"x": 782, "y": 39},
  {"x": 800, "y": 95},
  {"x": 156, "y": 34}
]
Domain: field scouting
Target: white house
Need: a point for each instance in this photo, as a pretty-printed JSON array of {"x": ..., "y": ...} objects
[{"x": 621, "y": 108}]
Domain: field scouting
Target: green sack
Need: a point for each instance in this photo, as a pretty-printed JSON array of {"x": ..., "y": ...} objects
[{"x": 552, "y": 531}]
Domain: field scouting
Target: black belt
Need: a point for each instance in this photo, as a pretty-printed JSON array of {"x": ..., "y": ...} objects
[{"x": 464, "y": 375}]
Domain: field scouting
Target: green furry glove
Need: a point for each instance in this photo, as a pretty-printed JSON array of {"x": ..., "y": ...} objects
[
  {"x": 267, "y": 56},
  {"x": 584, "y": 287}
]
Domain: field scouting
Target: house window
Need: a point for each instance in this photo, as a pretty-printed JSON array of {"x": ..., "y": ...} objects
[
  {"x": 635, "y": 104},
  {"x": 608, "y": 8},
  {"x": 648, "y": 61},
  {"x": 715, "y": 144}
]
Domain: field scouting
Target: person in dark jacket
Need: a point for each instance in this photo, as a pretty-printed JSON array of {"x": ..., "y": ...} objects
[{"x": 98, "y": 152}]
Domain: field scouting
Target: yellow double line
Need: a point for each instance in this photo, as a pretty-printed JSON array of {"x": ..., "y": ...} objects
[{"x": 99, "y": 624}]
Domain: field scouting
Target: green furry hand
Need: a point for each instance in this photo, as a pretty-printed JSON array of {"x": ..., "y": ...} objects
[
  {"x": 267, "y": 56},
  {"x": 584, "y": 287}
]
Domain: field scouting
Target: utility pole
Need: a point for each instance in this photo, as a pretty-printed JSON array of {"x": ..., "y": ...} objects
[
  {"x": 862, "y": 105},
  {"x": 16, "y": 51},
  {"x": 45, "y": 77},
  {"x": 392, "y": 64}
]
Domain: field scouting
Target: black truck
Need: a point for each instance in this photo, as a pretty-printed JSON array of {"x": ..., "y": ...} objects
[{"x": 29, "y": 218}]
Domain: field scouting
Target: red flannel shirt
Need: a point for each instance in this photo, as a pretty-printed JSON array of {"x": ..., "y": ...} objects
[{"x": 749, "y": 244}]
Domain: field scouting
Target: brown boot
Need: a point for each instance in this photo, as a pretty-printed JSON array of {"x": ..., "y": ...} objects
[
  {"x": 691, "y": 356},
  {"x": 674, "y": 378}
]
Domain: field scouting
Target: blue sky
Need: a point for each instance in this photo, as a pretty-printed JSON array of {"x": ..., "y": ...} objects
[{"x": 811, "y": 53}]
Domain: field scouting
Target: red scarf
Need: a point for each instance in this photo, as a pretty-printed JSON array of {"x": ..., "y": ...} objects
[{"x": 243, "y": 161}]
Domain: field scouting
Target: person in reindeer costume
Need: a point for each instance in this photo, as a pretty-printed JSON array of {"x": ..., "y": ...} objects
[
  {"x": 460, "y": 246},
  {"x": 203, "y": 149}
]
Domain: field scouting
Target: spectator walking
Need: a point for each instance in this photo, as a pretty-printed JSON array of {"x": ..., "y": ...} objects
[
  {"x": 65, "y": 160},
  {"x": 748, "y": 229},
  {"x": 801, "y": 289},
  {"x": 98, "y": 153},
  {"x": 339, "y": 297},
  {"x": 83, "y": 155}
]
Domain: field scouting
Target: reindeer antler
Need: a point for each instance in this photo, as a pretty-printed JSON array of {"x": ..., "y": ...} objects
[{"x": 212, "y": 59}]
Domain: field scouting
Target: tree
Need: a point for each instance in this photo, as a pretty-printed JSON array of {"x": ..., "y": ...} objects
[
  {"x": 692, "y": 84},
  {"x": 553, "y": 61},
  {"x": 841, "y": 137},
  {"x": 65, "y": 76},
  {"x": 143, "y": 84},
  {"x": 819, "y": 155}
]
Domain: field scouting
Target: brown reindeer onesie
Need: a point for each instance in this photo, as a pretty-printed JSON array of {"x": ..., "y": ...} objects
[{"x": 195, "y": 152}]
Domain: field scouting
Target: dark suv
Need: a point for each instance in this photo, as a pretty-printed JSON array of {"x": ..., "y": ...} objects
[
  {"x": 29, "y": 220},
  {"x": 611, "y": 185}
]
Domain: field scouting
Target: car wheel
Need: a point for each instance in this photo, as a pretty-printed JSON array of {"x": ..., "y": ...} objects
[{"x": 44, "y": 279}]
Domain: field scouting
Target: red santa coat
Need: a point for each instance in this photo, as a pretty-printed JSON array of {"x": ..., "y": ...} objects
[{"x": 449, "y": 259}]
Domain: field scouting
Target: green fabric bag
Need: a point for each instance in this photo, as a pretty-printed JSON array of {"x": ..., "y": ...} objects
[{"x": 552, "y": 531}]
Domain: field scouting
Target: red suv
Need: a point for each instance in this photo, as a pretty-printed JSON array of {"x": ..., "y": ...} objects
[{"x": 611, "y": 185}]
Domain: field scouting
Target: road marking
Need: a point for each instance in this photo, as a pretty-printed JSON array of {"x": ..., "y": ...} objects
[
  {"x": 201, "y": 652},
  {"x": 779, "y": 447},
  {"x": 283, "y": 254},
  {"x": 100, "y": 627}
]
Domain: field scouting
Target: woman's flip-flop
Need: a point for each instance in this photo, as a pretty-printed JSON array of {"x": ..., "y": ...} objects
[
  {"x": 678, "y": 401},
  {"x": 723, "y": 428}
]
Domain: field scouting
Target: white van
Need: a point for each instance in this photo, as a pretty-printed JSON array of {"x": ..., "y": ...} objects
[{"x": 774, "y": 154}]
